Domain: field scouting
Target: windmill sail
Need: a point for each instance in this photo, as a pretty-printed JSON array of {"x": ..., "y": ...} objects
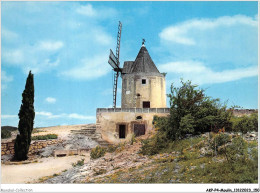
[{"x": 114, "y": 62}]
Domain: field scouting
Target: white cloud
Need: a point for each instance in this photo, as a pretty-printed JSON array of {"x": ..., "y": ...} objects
[
  {"x": 87, "y": 10},
  {"x": 101, "y": 12},
  {"x": 209, "y": 51},
  {"x": 13, "y": 56},
  {"x": 199, "y": 73},
  {"x": 43, "y": 113},
  {"x": 5, "y": 79},
  {"x": 50, "y": 45},
  {"x": 8, "y": 35},
  {"x": 180, "y": 33},
  {"x": 9, "y": 116},
  {"x": 50, "y": 100},
  {"x": 77, "y": 116},
  {"x": 39, "y": 57},
  {"x": 102, "y": 38},
  {"x": 89, "y": 68},
  {"x": 49, "y": 115}
]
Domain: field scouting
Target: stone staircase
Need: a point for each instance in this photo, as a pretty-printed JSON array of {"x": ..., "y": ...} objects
[{"x": 90, "y": 130}]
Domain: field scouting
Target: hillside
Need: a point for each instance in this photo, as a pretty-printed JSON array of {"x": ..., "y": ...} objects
[
  {"x": 191, "y": 160},
  {"x": 9, "y": 128}
]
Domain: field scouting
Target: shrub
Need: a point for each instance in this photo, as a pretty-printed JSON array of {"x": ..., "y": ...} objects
[
  {"x": 111, "y": 148},
  {"x": 160, "y": 122},
  {"x": 5, "y": 134},
  {"x": 78, "y": 163},
  {"x": 45, "y": 137},
  {"x": 245, "y": 123},
  {"x": 218, "y": 140},
  {"x": 154, "y": 144},
  {"x": 36, "y": 130},
  {"x": 133, "y": 140},
  {"x": 99, "y": 172},
  {"x": 237, "y": 150},
  {"x": 97, "y": 152}
]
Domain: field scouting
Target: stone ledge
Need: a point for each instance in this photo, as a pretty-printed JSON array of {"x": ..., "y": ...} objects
[{"x": 133, "y": 110}]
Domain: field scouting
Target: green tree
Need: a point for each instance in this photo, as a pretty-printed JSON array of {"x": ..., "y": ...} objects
[
  {"x": 193, "y": 112},
  {"x": 26, "y": 119}
]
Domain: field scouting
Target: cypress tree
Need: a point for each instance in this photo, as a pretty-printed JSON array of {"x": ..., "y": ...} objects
[{"x": 26, "y": 119}]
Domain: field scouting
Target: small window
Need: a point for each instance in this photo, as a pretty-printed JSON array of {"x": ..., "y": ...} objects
[
  {"x": 138, "y": 94},
  {"x": 146, "y": 104},
  {"x": 143, "y": 81},
  {"x": 138, "y": 117}
]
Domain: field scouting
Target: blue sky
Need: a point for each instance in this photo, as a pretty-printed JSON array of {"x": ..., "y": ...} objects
[{"x": 66, "y": 45}]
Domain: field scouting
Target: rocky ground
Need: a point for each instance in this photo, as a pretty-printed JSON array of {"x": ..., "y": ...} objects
[
  {"x": 126, "y": 165},
  {"x": 73, "y": 141},
  {"x": 123, "y": 165},
  {"x": 125, "y": 156},
  {"x": 43, "y": 163}
]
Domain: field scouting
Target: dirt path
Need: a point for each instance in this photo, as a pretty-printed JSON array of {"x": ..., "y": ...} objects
[{"x": 19, "y": 174}]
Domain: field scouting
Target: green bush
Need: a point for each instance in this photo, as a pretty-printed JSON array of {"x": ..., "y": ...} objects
[
  {"x": 45, "y": 137},
  {"x": 218, "y": 140},
  {"x": 245, "y": 123},
  {"x": 97, "y": 152},
  {"x": 78, "y": 163},
  {"x": 237, "y": 150},
  {"x": 111, "y": 148},
  {"x": 133, "y": 139},
  {"x": 154, "y": 144},
  {"x": 5, "y": 134}
]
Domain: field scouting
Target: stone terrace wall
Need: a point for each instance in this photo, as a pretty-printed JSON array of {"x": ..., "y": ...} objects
[
  {"x": 241, "y": 112},
  {"x": 7, "y": 148}
]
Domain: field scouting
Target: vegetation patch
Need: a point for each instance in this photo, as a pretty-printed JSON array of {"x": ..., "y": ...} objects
[
  {"x": 244, "y": 123},
  {"x": 37, "y": 130},
  {"x": 43, "y": 179},
  {"x": 6, "y": 131},
  {"x": 45, "y": 137},
  {"x": 99, "y": 171},
  {"x": 5, "y": 134},
  {"x": 79, "y": 163},
  {"x": 97, "y": 152}
]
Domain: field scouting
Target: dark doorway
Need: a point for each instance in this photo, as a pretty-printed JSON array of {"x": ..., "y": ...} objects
[
  {"x": 143, "y": 81},
  {"x": 139, "y": 129},
  {"x": 146, "y": 104},
  {"x": 121, "y": 131}
]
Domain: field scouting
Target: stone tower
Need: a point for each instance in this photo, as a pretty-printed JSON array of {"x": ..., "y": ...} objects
[{"x": 143, "y": 86}]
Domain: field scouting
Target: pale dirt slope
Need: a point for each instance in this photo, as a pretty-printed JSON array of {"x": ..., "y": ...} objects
[
  {"x": 20, "y": 174},
  {"x": 24, "y": 173}
]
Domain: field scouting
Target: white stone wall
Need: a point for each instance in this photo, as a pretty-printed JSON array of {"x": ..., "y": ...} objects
[
  {"x": 154, "y": 91},
  {"x": 108, "y": 123}
]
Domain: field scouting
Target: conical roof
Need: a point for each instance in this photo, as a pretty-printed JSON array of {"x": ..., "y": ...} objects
[{"x": 144, "y": 63}]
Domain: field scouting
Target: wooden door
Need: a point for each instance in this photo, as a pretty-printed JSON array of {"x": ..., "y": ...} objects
[{"x": 139, "y": 129}]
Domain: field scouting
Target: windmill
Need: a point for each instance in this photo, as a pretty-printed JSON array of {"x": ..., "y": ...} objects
[{"x": 114, "y": 62}]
